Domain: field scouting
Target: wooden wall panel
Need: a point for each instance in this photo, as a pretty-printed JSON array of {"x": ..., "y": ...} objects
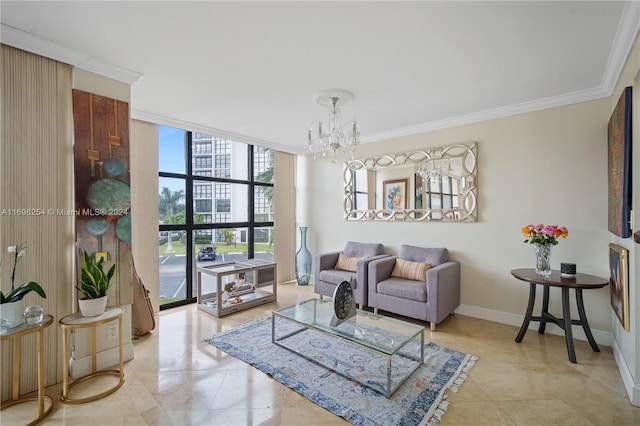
[{"x": 36, "y": 177}]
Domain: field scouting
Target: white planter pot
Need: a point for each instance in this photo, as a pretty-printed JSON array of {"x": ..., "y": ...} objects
[
  {"x": 92, "y": 307},
  {"x": 13, "y": 313}
]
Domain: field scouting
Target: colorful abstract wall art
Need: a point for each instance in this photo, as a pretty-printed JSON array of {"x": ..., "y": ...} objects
[
  {"x": 619, "y": 135},
  {"x": 102, "y": 185}
]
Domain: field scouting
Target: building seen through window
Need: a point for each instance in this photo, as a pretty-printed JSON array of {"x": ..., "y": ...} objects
[{"x": 216, "y": 198}]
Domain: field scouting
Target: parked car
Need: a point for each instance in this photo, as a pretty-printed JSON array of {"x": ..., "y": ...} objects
[{"x": 207, "y": 252}]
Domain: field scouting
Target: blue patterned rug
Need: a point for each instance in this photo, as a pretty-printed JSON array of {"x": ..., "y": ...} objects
[{"x": 421, "y": 400}]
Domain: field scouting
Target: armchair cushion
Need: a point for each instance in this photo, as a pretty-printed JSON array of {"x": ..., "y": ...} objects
[
  {"x": 347, "y": 263},
  {"x": 336, "y": 276},
  {"x": 405, "y": 289},
  {"x": 434, "y": 256},
  {"x": 410, "y": 270},
  {"x": 356, "y": 249}
]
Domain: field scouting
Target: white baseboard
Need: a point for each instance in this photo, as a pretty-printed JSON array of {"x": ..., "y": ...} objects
[
  {"x": 601, "y": 337},
  {"x": 633, "y": 390},
  {"x": 104, "y": 359}
]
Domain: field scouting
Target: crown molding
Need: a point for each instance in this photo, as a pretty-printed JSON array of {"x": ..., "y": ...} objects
[
  {"x": 490, "y": 114},
  {"x": 137, "y": 114},
  {"x": 41, "y": 46},
  {"x": 626, "y": 34}
]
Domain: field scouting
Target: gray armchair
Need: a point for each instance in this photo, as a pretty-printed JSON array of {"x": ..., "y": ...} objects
[
  {"x": 430, "y": 299},
  {"x": 329, "y": 273}
]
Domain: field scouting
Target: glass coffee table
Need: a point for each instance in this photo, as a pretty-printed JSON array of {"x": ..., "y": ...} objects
[{"x": 395, "y": 341}]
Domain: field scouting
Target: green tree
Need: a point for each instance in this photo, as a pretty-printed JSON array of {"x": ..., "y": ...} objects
[
  {"x": 227, "y": 235},
  {"x": 169, "y": 207},
  {"x": 266, "y": 176},
  {"x": 170, "y": 203},
  {"x": 181, "y": 216}
]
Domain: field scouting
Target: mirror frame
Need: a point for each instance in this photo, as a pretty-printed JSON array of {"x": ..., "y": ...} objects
[{"x": 466, "y": 212}]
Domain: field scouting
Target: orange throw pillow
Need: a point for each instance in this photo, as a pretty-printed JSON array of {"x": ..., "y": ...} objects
[
  {"x": 347, "y": 263},
  {"x": 410, "y": 270}
]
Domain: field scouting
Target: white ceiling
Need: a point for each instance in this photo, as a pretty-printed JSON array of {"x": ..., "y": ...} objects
[{"x": 249, "y": 70}]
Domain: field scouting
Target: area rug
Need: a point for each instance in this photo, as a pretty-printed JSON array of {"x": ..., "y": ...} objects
[{"x": 421, "y": 400}]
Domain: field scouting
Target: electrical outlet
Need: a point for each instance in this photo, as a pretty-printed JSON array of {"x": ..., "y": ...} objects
[{"x": 112, "y": 331}]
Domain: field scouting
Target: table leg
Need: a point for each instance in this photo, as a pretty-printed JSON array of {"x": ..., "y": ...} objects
[
  {"x": 388, "y": 391},
  {"x": 566, "y": 316},
  {"x": 583, "y": 321},
  {"x": 65, "y": 366},
  {"x": 15, "y": 388},
  {"x": 527, "y": 317},
  {"x": 94, "y": 351},
  {"x": 40, "y": 342},
  {"x": 120, "y": 351},
  {"x": 273, "y": 328},
  {"x": 545, "y": 309}
]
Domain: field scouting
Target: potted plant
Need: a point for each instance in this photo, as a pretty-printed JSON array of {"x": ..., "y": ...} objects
[
  {"x": 94, "y": 285},
  {"x": 11, "y": 304}
]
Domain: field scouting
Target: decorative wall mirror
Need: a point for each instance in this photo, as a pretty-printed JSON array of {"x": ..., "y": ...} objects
[{"x": 433, "y": 184}]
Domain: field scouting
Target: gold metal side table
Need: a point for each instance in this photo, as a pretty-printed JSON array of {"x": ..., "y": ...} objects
[
  {"x": 76, "y": 321},
  {"x": 16, "y": 334}
]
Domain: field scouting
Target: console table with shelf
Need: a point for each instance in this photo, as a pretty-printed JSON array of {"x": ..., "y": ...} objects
[{"x": 254, "y": 283}]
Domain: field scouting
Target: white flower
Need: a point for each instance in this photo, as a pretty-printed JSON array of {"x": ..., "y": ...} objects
[{"x": 11, "y": 249}]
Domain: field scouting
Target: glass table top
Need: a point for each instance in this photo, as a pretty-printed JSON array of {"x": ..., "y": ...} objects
[
  {"x": 231, "y": 267},
  {"x": 384, "y": 334}
]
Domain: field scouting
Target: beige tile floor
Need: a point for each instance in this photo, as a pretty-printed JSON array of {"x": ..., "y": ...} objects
[{"x": 176, "y": 379}]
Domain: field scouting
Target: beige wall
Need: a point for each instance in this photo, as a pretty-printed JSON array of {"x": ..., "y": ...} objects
[
  {"x": 543, "y": 167},
  {"x": 144, "y": 205},
  {"x": 627, "y": 344},
  {"x": 284, "y": 208}
]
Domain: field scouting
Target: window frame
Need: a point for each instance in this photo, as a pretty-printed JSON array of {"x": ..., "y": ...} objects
[{"x": 191, "y": 178}]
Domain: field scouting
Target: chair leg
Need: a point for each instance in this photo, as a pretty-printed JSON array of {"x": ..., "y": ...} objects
[
  {"x": 321, "y": 296},
  {"x": 432, "y": 326},
  {"x": 375, "y": 310}
]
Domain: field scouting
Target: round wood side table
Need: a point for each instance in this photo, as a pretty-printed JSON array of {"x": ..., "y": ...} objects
[{"x": 578, "y": 283}]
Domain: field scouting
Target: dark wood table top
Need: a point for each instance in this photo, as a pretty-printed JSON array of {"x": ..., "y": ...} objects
[{"x": 557, "y": 280}]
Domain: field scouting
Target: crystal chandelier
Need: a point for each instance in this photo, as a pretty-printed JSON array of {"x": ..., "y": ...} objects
[
  {"x": 330, "y": 139},
  {"x": 434, "y": 169}
]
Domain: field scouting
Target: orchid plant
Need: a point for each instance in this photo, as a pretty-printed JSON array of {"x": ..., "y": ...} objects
[
  {"x": 17, "y": 293},
  {"x": 544, "y": 234}
]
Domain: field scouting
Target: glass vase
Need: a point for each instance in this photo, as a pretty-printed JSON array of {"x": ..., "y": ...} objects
[
  {"x": 303, "y": 259},
  {"x": 543, "y": 259}
]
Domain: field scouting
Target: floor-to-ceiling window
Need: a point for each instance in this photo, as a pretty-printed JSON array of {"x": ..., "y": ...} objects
[{"x": 215, "y": 207}]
